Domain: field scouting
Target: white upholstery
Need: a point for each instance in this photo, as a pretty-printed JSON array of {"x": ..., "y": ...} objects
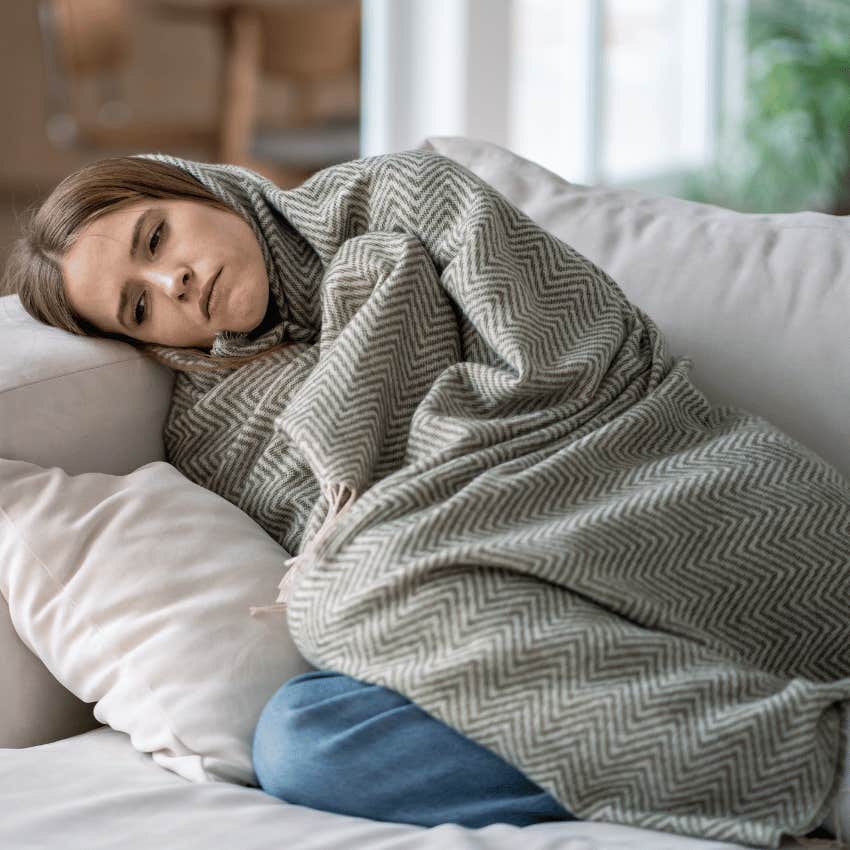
[
  {"x": 95, "y": 792},
  {"x": 87, "y": 405}
]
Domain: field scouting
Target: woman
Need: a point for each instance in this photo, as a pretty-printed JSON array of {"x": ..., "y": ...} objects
[
  {"x": 546, "y": 541},
  {"x": 138, "y": 250}
]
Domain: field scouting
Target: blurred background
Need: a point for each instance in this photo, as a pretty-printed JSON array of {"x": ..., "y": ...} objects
[{"x": 742, "y": 103}]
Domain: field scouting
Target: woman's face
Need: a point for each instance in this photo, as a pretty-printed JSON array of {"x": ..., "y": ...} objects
[{"x": 170, "y": 272}]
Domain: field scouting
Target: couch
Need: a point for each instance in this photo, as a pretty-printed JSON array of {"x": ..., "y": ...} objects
[{"x": 760, "y": 302}]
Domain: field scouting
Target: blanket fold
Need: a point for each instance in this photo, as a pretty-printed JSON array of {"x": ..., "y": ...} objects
[{"x": 507, "y": 501}]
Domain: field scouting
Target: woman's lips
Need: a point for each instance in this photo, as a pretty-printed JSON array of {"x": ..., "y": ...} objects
[{"x": 212, "y": 289}]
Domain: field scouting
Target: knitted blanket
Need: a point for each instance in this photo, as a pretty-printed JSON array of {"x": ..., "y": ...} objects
[{"x": 507, "y": 501}]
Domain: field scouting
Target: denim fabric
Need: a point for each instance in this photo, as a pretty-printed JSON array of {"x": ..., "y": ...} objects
[{"x": 334, "y": 743}]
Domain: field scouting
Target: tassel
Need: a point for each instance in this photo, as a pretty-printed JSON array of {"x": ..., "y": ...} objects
[
  {"x": 340, "y": 498},
  {"x": 254, "y": 608}
]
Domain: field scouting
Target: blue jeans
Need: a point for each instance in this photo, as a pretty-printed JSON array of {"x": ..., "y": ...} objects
[{"x": 334, "y": 743}]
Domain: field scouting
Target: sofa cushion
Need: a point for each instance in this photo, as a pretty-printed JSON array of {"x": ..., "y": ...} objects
[
  {"x": 135, "y": 592},
  {"x": 760, "y": 302},
  {"x": 94, "y": 792}
]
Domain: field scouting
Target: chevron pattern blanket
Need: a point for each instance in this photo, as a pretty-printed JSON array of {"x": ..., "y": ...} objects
[{"x": 508, "y": 501}]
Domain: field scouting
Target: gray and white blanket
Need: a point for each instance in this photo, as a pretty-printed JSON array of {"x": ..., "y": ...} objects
[{"x": 532, "y": 523}]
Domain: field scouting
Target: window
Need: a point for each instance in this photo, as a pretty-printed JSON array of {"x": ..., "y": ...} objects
[
  {"x": 600, "y": 91},
  {"x": 615, "y": 91}
]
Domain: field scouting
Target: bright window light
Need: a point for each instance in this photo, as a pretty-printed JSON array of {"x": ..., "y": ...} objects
[{"x": 614, "y": 91}]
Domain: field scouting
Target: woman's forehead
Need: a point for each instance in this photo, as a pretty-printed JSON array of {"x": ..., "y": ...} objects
[
  {"x": 112, "y": 225},
  {"x": 116, "y": 227},
  {"x": 96, "y": 259}
]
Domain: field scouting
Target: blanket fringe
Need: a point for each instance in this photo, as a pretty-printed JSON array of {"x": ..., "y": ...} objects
[{"x": 340, "y": 498}]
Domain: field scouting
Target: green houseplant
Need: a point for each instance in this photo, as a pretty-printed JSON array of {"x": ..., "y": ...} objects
[{"x": 791, "y": 151}]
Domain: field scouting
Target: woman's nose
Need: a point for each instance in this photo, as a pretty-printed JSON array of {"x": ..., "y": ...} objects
[{"x": 174, "y": 282}]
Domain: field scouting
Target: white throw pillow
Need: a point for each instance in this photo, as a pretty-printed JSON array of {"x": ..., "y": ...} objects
[{"x": 135, "y": 591}]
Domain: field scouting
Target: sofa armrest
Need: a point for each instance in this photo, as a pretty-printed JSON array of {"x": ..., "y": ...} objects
[
  {"x": 34, "y": 708},
  {"x": 85, "y": 405}
]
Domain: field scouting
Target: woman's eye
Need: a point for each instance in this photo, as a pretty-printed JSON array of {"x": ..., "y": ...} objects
[
  {"x": 141, "y": 302},
  {"x": 154, "y": 240}
]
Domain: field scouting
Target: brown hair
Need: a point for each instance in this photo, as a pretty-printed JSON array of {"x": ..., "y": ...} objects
[{"x": 33, "y": 269}]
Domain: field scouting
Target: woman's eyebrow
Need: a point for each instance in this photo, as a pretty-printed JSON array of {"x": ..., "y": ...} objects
[
  {"x": 122, "y": 306},
  {"x": 137, "y": 230}
]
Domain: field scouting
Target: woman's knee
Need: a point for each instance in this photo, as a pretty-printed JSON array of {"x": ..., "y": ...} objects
[
  {"x": 290, "y": 745},
  {"x": 331, "y": 742}
]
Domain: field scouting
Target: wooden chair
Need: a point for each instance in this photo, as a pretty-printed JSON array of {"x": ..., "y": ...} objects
[
  {"x": 90, "y": 41},
  {"x": 306, "y": 44}
]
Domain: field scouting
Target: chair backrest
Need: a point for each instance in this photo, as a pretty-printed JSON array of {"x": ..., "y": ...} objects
[
  {"x": 88, "y": 36},
  {"x": 89, "y": 43},
  {"x": 311, "y": 40},
  {"x": 83, "y": 40}
]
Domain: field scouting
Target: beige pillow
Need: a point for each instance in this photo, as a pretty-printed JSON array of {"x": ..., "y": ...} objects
[{"x": 135, "y": 591}]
